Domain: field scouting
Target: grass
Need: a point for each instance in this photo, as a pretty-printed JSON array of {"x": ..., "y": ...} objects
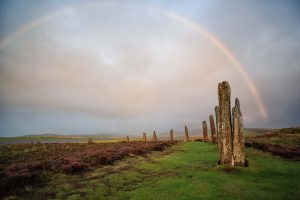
[
  {"x": 184, "y": 171},
  {"x": 23, "y": 166},
  {"x": 283, "y": 142},
  {"x": 288, "y": 140}
]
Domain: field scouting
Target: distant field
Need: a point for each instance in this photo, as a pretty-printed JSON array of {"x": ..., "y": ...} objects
[
  {"x": 53, "y": 138},
  {"x": 282, "y": 142},
  {"x": 57, "y": 139}
]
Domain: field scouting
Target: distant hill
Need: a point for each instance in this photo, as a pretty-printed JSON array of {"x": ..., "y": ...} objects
[
  {"x": 177, "y": 133},
  {"x": 52, "y": 135},
  {"x": 54, "y": 138},
  {"x": 257, "y": 130}
]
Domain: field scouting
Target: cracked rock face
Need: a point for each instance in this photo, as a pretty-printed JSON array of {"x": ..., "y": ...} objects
[
  {"x": 186, "y": 132},
  {"x": 212, "y": 129},
  {"x": 171, "y": 135},
  {"x": 224, "y": 123},
  {"x": 205, "y": 134},
  {"x": 144, "y": 137},
  {"x": 217, "y": 123},
  {"x": 238, "y": 139},
  {"x": 154, "y": 137}
]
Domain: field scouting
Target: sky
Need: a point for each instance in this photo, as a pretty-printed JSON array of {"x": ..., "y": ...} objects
[{"x": 86, "y": 67}]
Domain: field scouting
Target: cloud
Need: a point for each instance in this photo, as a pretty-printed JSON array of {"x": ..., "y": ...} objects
[{"x": 121, "y": 69}]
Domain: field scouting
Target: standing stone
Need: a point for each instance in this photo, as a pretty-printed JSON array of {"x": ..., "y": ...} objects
[
  {"x": 217, "y": 122},
  {"x": 186, "y": 132},
  {"x": 90, "y": 141},
  {"x": 212, "y": 129},
  {"x": 224, "y": 121},
  {"x": 127, "y": 138},
  {"x": 171, "y": 135},
  {"x": 238, "y": 139},
  {"x": 144, "y": 137},
  {"x": 205, "y": 134},
  {"x": 154, "y": 137}
]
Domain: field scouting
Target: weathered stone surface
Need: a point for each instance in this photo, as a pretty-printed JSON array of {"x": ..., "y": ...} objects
[
  {"x": 144, "y": 137},
  {"x": 224, "y": 121},
  {"x": 154, "y": 138},
  {"x": 205, "y": 132},
  {"x": 171, "y": 135},
  {"x": 238, "y": 139},
  {"x": 217, "y": 122},
  {"x": 212, "y": 129},
  {"x": 127, "y": 138},
  {"x": 186, "y": 133}
]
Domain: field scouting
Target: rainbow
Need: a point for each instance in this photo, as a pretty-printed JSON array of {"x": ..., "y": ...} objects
[
  {"x": 10, "y": 39},
  {"x": 29, "y": 27},
  {"x": 217, "y": 43}
]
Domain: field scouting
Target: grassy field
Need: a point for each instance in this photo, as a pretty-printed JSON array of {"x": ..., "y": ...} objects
[
  {"x": 33, "y": 139},
  {"x": 25, "y": 165},
  {"x": 288, "y": 137},
  {"x": 184, "y": 171},
  {"x": 284, "y": 142}
]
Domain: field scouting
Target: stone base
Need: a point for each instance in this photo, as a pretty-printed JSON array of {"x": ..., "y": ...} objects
[{"x": 246, "y": 164}]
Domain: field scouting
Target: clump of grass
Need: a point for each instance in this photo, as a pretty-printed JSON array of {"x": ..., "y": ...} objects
[{"x": 283, "y": 142}]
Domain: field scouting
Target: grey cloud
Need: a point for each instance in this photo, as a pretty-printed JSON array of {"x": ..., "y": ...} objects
[{"x": 117, "y": 68}]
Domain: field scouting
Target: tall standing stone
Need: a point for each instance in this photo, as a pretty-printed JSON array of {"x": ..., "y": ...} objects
[
  {"x": 186, "y": 133},
  {"x": 217, "y": 122},
  {"x": 238, "y": 139},
  {"x": 127, "y": 138},
  {"x": 144, "y": 137},
  {"x": 154, "y": 138},
  {"x": 171, "y": 135},
  {"x": 212, "y": 129},
  {"x": 205, "y": 132},
  {"x": 224, "y": 127}
]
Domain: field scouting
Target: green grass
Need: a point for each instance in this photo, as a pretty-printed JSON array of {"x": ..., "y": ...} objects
[
  {"x": 185, "y": 171},
  {"x": 193, "y": 174}
]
